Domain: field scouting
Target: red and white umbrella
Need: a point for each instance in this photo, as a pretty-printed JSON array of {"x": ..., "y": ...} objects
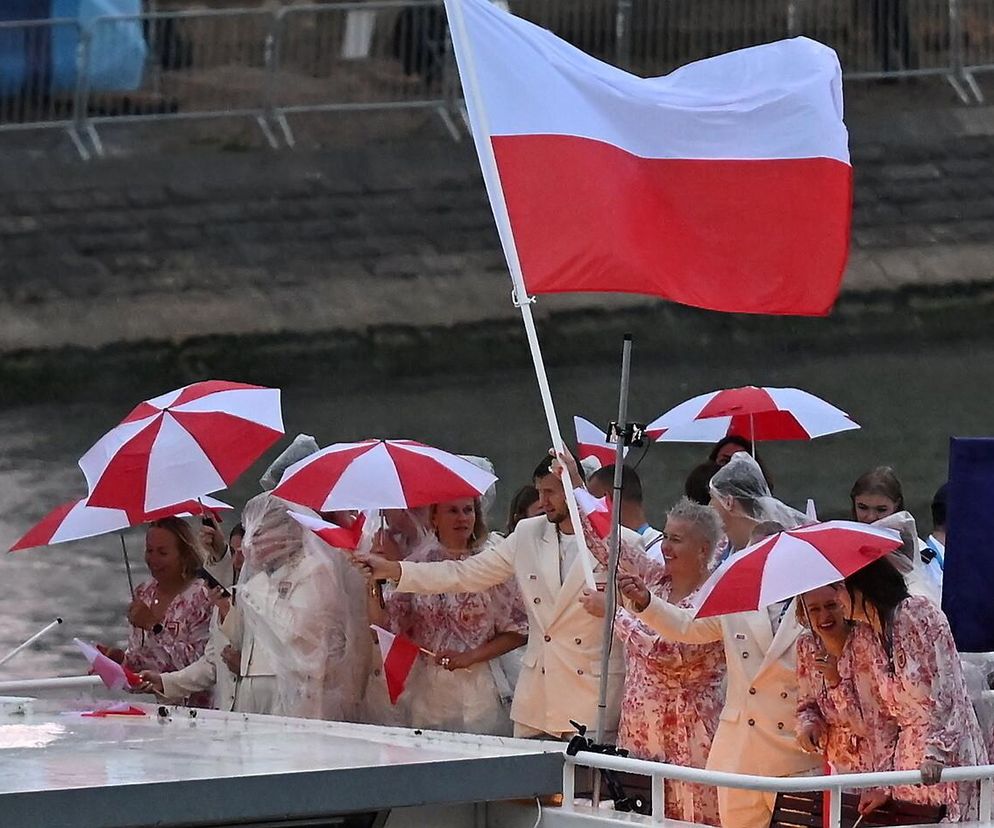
[
  {"x": 756, "y": 413},
  {"x": 182, "y": 445},
  {"x": 380, "y": 474},
  {"x": 592, "y": 442},
  {"x": 76, "y": 520},
  {"x": 791, "y": 563}
]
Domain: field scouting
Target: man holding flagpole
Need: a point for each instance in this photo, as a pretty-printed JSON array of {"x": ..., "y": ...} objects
[{"x": 561, "y": 669}]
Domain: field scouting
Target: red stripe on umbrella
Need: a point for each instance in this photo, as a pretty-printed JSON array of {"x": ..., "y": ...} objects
[
  {"x": 123, "y": 483},
  {"x": 424, "y": 479},
  {"x": 41, "y": 533},
  {"x": 734, "y": 401},
  {"x": 228, "y": 440}
]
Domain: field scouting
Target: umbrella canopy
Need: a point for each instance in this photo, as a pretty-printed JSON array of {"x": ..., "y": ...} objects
[
  {"x": 592, "y": 442},
  {"x": 381, "y": 474},
  {"x": 182, "y": 445},
  {"x": 791, "y": 563},
  {"x": 756, "y": 413},
  {"x": 76, "y": 520}
]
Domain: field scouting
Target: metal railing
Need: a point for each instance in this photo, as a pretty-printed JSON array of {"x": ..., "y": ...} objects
[
  {"x": 273, "y": 64},
  {"x": 834, "y": 785}
]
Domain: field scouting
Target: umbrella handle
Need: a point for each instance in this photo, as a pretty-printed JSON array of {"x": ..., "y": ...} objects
[{"x": 127, "y": 566}]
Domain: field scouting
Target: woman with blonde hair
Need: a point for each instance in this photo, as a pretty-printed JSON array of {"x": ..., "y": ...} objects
[
  {"x": 170, "y": 613},
  {"x": 462, "y": 687}
]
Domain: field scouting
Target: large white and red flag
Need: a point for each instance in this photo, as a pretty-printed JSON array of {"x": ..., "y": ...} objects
[
  {"x": 724, "y": 185},
  {"x": 399, "y": 656}
]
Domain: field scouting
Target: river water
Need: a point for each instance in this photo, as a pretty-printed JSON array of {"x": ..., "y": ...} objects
[{"x": 908, "y": 405}]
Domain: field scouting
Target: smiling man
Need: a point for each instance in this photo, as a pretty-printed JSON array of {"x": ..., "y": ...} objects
[{"x": 561, "y": 666}]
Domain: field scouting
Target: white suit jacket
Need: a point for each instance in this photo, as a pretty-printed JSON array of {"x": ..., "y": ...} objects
[
  {"x": 561, "y": 666},
  {"x": 206, "y": 673},
  {"x": 756, "y": 732}
]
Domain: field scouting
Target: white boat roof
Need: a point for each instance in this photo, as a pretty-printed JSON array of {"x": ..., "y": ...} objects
[{"x": 64, "y": 769}]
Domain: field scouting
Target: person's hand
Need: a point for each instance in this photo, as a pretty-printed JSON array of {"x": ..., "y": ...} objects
[
  {"x": 451, "y": 660},
  {"x": 140, "y": 615},
  {"x": 151, "y": 682},
  {"x": 113, "y": 653},
  {"x": 385, "y": 545},
  {"x": 376, "y": 567},
  {"x": 232, "y": 658},
  {"x": 593, "y": 602},
  {"x": 213, "y": 539},
  {"x": 564, "y": 460},
  {"x": 810, "y": 735},
  {"x": 827, "y": 665},
  {"x": 931, "y": 770},
  {"x": 871, "y": 799},
  {"x": 220, "y": 599},
  {"x": 635, "y": 591}
]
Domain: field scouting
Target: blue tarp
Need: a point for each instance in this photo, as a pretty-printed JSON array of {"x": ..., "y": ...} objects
[
  {"x": 969, "y": 565},
  {"x": 43, "y": 59}
]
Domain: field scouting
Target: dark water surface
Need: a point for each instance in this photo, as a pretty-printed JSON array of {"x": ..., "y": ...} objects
[{"x": 909, "y": 404}]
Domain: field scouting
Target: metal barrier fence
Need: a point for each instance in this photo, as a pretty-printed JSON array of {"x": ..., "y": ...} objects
[{"x": 274, "y": 64}]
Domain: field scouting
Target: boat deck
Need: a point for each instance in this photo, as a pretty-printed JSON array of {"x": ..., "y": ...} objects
[{"x": 63, "y": 770}]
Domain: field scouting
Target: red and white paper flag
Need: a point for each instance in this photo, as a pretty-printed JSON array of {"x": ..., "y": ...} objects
[
  {"x": 115, "y": 676},
  {"x": 724, "y": 185},
  {"x": 592, "y": 442},
  {"x": 399, "y": 656},
  {"x": 338, "y": 537}
]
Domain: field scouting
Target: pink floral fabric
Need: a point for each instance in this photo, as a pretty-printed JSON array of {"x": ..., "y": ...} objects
[
  {"x": 669, "y": 712},
  {"x": 185, "y": 630},
  {"x": 859, "y": 738},
  {"x": 919, "y": 685},
  {"x": 456, "y": 621}
]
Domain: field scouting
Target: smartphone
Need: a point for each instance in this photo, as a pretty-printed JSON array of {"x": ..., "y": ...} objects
[{"x": 212, "y": 582}]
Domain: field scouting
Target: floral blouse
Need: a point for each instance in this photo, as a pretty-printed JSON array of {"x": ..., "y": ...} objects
[{"x": 185, "y": 630}]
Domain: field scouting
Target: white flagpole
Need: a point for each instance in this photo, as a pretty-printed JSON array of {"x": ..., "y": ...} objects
[
  {"x": 31, "y": 640},
  {"x": 481, "y": 137}
]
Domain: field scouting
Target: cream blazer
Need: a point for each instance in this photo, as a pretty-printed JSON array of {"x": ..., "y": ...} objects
[
  {"x": 561, "y": 666},
  {"x": 756, "y": 731}
]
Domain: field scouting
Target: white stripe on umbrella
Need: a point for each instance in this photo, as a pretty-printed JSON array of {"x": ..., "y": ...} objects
[
  {"x": 177, "y": 465},
  {"x": 250, "y": 403},
  {"x": 94, "y": 463},
  {"x": 791, "y": 563},
  {"x": 369, "y": 482}
]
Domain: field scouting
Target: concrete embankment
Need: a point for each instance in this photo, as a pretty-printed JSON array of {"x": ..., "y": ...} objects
[{"x": 370, "y": 261}]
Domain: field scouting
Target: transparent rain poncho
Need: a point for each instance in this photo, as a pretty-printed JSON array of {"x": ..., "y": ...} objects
[
  {"x": 307, "y": 604},
  {"x": 303, "y": 445},
  {"x": 741, "y": 483},
  {"x": 908, "y": 558}
]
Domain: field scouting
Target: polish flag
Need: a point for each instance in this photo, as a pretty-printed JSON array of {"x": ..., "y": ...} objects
[
  {"x": 115, "y": 676},
  {"x": 592, "y": 442},
  {"x": 724, "y": 185},
  {"x": 597, "y": 510},
  {"x": 338, "y": 537},
  {"x": 399, "y": 655}
]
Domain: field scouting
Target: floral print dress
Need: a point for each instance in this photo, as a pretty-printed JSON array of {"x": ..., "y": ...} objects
[
  {"x": 920, "y": 686},
  {"x": 185, "y": 630},
  {"x": 669, "y": 712},
  {"x": 473, "y": 700},
  {"x": 860, "y": 737}
]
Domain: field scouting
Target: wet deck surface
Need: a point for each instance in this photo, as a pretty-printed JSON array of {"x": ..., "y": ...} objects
[{"x": 62, "y": 769}]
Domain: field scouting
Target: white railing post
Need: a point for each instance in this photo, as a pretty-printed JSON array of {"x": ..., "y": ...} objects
[
  {"x": 986, "y": 791},
  {"x": 569, "y": 784},
  {"x": 658, "y": 797}
]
